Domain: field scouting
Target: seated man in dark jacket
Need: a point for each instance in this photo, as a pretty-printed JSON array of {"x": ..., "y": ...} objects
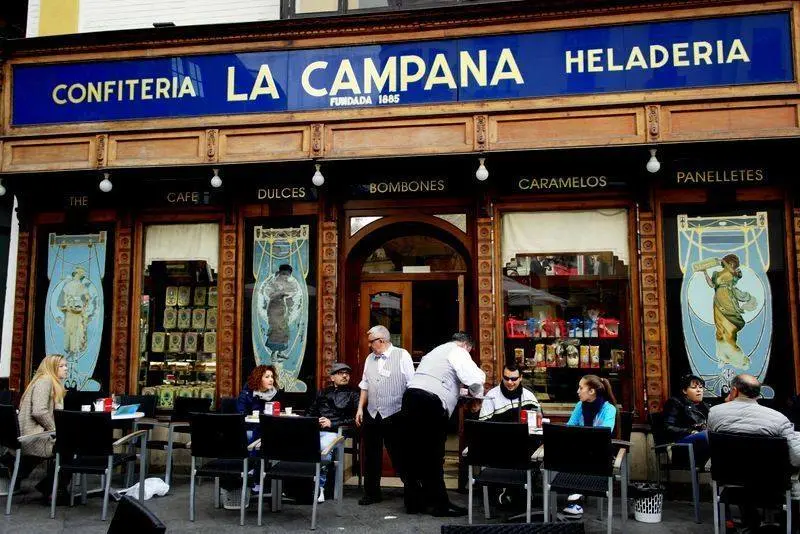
[
  {"x": 335, "y": 406},
  {"x": 685, "y": 418}
]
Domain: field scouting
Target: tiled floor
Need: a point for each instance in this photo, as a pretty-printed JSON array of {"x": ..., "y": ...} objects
[{"x": 28, "y": 516}]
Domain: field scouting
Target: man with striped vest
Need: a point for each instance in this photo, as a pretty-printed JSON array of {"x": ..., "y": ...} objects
[{"x": 387, "y": 372}]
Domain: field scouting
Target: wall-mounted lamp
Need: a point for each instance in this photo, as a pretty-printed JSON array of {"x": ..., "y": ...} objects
[
  {"x": 653, "y": 165},
  {"x": 482, "y": 173},
  {"x": 2, "y": 188},
  {"x": 317, "y": 179},
  {"x": 216, "y": 181},
  {"x": 105, "y": 184}
]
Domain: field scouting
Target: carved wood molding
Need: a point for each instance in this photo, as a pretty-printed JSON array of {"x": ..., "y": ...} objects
[
  {"x": 212, "y": 145},
  {"x": 226, "y": 328},
  {"x": 481, "y": 132},
  {"x": 653, "y": 126},
  {"x": 655, "y": 364},
  {"x": 329, "y": 282},
  {"x": 486, "y": 305},
  {"x": 120, "y": 329},
  {"x": 20, "y": 328},
  {"x": 317, "y": 140},
  {"x": 101, "y": 150}
]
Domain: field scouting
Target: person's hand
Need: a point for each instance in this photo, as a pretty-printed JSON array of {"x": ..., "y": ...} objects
[
  {"x": 359, "y": 417},
  {"x": 324, "y": 422}
]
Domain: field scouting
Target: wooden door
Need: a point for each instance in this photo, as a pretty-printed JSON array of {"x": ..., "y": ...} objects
[{"x": 387, "y": 304}]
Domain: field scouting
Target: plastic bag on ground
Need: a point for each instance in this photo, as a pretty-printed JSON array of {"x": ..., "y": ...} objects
[{"x": 152, "y": 486}]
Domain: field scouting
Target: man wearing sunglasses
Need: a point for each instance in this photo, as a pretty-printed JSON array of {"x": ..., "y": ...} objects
[{"x": 503, "y": 403}]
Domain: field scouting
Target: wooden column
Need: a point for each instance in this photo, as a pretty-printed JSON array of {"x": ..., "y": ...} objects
[
  {"x": 486, "y": 305},
  {"x": 226, "y": 327},
  {"x": 328, "y": 282},
  {"x": 656, "y": 369},
  {"x": 21, "y": 309},
  {"x": 120, "y": 326}
]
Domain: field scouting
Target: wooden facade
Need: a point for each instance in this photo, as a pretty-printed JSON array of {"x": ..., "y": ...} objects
[{"x": 763, "y": 113}]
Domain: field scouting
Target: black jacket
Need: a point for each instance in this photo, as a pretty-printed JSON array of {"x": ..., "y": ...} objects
[
  {"x": 337, "y": 404},
  {"x": 682, "y": 416}
]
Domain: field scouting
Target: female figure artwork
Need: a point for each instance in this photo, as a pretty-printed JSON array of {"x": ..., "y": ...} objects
[
  {"x": 74, "y": 302},
  {"x": 729, "y": 304}
]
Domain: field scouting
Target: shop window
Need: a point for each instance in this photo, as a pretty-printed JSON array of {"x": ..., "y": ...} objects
[
  {"x": 459, "y": 220},
  {"x": 727, "y": 306},
  {"x": 178, "y": 312},
  {"x": 414, "y": 254},
  {"x": 357, "y": 223},
  {"x": 566, "y": 300}
]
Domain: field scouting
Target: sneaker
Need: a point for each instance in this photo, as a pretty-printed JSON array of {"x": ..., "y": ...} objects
[
  {"x": 575, "y": 498},
  {"x": 321, "y": 497},
  {"x": 256, "y": 488},
  {"x": 573, "y": 511}
]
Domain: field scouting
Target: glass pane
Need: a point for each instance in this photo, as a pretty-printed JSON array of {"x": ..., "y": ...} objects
[
  {"x": 357, "y": 223},
  {"x": 566, "y": 298},
  {"x": 414, "y": 254},
  {"x": 367, "y": 4},
  {"x": 386, "y": 309},
  {"x": 316, "y": 6},
  {"x": 178, "y": 331}
]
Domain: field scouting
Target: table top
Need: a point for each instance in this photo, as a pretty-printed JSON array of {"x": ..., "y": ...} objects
[
  {"x": 119, "y": 417},
  {"x": 254, "y": 419}
]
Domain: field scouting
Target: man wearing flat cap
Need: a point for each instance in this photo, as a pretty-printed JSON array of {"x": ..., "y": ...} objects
[{"x": 334, "y": 406}]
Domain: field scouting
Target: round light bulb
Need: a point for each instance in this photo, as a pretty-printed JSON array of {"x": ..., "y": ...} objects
[
  {"x": 106, "y": 185},
  {"x": 653, "y": 165},
  {"x": 482, "y": 173},
  {"x": 2, "y": 189},
  {"x": 216, "y": 181},
  {"x": 318, "y": 179}
]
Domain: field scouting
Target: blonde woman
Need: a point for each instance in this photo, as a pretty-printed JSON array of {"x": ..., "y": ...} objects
[{"x": 42, "y": 397}]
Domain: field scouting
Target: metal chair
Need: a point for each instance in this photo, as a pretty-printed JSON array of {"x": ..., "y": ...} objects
[
  {"x": 133, "y": 516},
  {"x": 85, "y": 446},
  {"x": 290, "y": 450},
  {"x": 498, "y": 454},
  {"x": 227, "y": 405},
  {"x": 74, "y": 399},
  {"x": 354, "y": 450},
  {"x": 675, "y": 457},
  {"x": 749, "y": 468},
  {"x": 221, "y": 441},
  {"x": 178, "y": 423},
  {"x": 10, "y": 439},
  {"x": 581, "y": 459}
]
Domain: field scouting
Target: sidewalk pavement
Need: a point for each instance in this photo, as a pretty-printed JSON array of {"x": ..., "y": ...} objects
[{"x": 29, "y": 516}]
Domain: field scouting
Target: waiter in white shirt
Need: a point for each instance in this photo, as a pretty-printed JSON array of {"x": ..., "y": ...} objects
[
  {"x": 387, "y": 372},
  {"x": 428, "y": 404}
]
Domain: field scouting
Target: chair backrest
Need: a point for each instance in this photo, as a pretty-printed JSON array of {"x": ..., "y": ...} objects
[
  {"x": 575, "y": 527},
  {"x": 188, "y": 405},
  {"x": 626, "y": 425},
  {"x": 147, "y": 403},
  {"x": 9, "y": 427},
  {"x": 227, "y": 405},
  {"x": 291, "y": 439},
  {"x": 500, "y": 445},
  {"x": 83, "y": 433},
  {"x": 657, "y": 428},
  {"x": 758, "y": 462},
  {"x": 218, "y": 435},
  {"x": 74, "y": 399},
  {"x": 133, "y": 516},
  {"x": 578, "y": 449}
]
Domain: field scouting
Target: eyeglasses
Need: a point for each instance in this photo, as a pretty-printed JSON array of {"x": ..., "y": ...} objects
[
  {"x": 374, "y": 340},
  {"x": 342, "y": 372},
  {"x": 511, "y": 378}
]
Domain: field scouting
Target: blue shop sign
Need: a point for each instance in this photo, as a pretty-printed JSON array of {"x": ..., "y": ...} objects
[{"x": 736, "y": 50}]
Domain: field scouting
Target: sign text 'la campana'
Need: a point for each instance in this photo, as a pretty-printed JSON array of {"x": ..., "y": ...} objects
[{"x": 659, "y": 55}]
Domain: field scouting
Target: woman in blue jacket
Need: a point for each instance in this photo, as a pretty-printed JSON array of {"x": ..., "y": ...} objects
[{"x": 597, "y": 408}]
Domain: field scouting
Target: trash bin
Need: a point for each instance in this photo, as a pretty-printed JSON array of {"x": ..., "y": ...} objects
[{"x": 648, "y": 502}]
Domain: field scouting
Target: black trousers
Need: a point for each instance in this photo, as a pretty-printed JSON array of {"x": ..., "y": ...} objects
[
  {"x": 379, "y": 432},
  {"x": 426, "y": 436}
]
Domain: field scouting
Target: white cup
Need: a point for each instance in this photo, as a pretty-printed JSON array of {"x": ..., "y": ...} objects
[
  {"x": 268, "y": 408},
  {"x": 288, "y": 410},
  {"x": 99, "y": 405},
  {"x": 255, "y": 413},
  {"x": 86, "y": 407}
]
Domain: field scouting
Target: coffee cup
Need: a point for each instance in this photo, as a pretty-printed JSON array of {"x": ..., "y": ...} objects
[
  {"x": 255, "y": 413},
  {"x": 288, "y": 410}
]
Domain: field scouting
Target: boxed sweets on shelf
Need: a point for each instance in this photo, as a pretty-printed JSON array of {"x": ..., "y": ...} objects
[
  {"x": 516, "y": 328},
  {"x": 608, "y": 327}
]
